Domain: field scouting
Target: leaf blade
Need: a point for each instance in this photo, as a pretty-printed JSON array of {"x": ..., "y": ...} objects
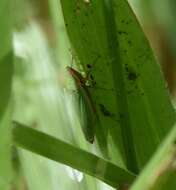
[
  {"x": 59, "y": 151},
  {"x": 128, "y": 69},
  {"x": 6, "y": 71},
  {"x": 159, "y": 172}
]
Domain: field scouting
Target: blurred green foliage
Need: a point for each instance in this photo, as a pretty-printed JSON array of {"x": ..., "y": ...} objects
[
  {"x": 43, "y": 94},
  {"x": 6, "y": 71}
]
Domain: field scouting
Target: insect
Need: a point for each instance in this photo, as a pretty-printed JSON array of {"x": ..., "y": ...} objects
[{"x": 87, "y": 106}]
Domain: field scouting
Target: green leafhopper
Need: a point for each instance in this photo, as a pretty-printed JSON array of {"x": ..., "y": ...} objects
[{"x": 86, "y": 105}]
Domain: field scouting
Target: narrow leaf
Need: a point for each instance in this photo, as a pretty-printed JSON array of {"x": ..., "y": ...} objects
[
  {"x": 6, "y": 68},
  {"x": 65, "y": 153},
  {"x": 159, "y": 174}
]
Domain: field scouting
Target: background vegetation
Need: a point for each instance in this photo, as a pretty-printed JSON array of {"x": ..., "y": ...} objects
[{"x": 38, "y": 40}]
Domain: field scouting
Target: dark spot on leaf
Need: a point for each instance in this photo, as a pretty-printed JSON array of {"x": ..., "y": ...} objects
[
  {"x": 132, "y": 76},
  {"x": 122, "y": 32},
  {"x": 104, "y": 111},
  {"x": 126, "y": 67},
  {"x": 77, "y": 8},
  {"x": 129, "y": 42},
  {"x": 129, "y": 92},
  {"x": 89, "y": 66},
  {"x": 140, "y": 56}
]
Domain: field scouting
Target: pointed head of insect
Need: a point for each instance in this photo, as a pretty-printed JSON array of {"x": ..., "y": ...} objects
[{"x": 79, "y": 79}]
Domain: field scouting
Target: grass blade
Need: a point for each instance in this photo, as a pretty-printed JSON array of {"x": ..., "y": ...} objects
[
  {"x": 64, "y": 153},
  {"x": 6, "y": 69},
  {"x": 159, "y": 174}
]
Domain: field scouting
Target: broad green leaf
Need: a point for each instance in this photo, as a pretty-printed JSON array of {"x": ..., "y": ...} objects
[
  {"x": 130, "y": 95},
  {"x": 85, "y": 24},
  {"x": 160, "y": 172},
  {"x": 65, "y": 153},
  {"x": 151, "y": 114},
  {"x": 6, "y": 68}
]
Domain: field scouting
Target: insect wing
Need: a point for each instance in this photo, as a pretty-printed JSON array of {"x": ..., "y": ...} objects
[
  {"x": 90, "y": 122},
  {"x": 89, "y": 119},
  {"x": 87, "y": 115}
]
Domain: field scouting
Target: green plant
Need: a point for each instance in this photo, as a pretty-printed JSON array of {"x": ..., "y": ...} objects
[
  {"x": 126, "y": 88},
  {"x": 6, "y": 70}
]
